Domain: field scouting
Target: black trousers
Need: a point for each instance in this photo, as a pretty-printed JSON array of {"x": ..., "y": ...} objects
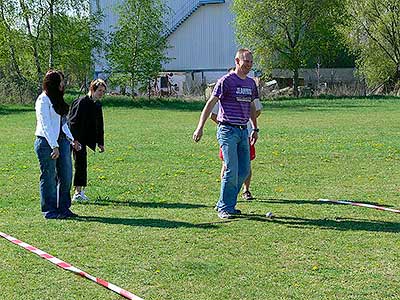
[{"x": 80, "y": 164}]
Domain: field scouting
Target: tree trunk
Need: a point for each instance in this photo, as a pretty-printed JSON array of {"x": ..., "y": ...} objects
[
  {"x": 397, "y": 82},
  {"x": 51, "y": 35},
  {"x": 34, "y": 46},
  {"x": 296, "y": 83},
  {"x": 149, "y": 89},
  {"x": 132, "y": 86},
  {"x": 20, "y": 78}
]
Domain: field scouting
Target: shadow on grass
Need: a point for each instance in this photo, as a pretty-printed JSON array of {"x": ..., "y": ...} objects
[
  {"x": 133, "y": 203},
  {"x": 342, "y": 224},
  {"x": 281, "y": 201},
  {"x": 154, "y": 103},
  {"x": 158, "y": 223},
  {"x": 333, "y": 97},
  {"x": 321, "y": 103},
  {"x": 300, "y": 104},
  {"x": 301, "y": 201},
  {"x": 8, "y": 110},
  {"x": 327, "y": 103}
]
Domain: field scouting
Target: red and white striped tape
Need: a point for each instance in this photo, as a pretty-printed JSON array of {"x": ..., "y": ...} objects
[
  {"x": 361, "y": 204},
  {"x": 68, "y": 267}
]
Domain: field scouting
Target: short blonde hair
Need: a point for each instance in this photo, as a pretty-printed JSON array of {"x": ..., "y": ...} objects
[{"x": 241, "y": 51}]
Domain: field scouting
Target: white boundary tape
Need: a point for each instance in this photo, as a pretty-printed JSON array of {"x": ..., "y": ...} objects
[
  {"x": 68, "y": 267},
  {"x": 362, "y": 205}
]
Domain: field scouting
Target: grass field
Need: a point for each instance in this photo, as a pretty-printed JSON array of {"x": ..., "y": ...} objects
[{"x": 151, "y": 228}]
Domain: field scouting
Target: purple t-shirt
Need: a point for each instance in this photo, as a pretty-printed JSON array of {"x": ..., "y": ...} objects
[{"x": 235, "y": 97}]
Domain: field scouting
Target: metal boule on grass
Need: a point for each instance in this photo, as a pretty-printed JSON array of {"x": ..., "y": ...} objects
[{"x": 269, "y": 215}]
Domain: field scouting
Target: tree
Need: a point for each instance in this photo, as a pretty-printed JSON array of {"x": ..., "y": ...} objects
[
  {"x": 76, "y": 38},
  {"x": 12, "y": 52},
  {"x": 54, "y": 27},
  {"x": 373, "y": 33},
  {"x": 288, "y": 34},
  {"x": 47, "y": 34},
  {"x": 137, "y": 45}
]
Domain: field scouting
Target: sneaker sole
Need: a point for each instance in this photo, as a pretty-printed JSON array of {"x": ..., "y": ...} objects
[{"x": 224, "y": 217}]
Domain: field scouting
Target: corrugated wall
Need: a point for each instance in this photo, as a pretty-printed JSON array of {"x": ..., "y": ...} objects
[
  {"x": 109, "y": 20},
  {"x": 205, "y": 41},
  {"x": 108, "y": 9}
]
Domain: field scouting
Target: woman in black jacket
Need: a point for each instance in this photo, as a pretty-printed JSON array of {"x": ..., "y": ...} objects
[{"x": 86, "y": 123}]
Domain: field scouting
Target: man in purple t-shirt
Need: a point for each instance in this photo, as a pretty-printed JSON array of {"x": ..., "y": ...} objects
[{"x": 235, "y": 93}]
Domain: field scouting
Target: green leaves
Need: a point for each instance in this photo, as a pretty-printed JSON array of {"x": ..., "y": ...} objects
[
  {"x": 38, "y": 34},
  {"x": 287, "y": 34},
  {"x": 373, "y": 33},
  {"x": 137, "y": 45}
]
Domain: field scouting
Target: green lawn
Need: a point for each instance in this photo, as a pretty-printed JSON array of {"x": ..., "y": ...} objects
[{"x": 150, "y": 227}]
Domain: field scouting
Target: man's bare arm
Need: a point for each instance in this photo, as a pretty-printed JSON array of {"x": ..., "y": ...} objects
[{"x": 198, "y": 133}]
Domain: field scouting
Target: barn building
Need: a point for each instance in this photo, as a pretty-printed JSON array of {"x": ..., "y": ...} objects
[{"x": 200, "y": 34}]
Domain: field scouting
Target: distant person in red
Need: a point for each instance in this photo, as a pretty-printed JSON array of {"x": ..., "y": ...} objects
[{"x": 87, "y": 125}]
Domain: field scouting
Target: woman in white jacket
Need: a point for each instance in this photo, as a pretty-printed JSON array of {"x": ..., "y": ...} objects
[{"x": 53, "y": 148}]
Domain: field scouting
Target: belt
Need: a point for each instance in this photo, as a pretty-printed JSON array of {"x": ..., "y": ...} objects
[{"x": 233, "y": 125}]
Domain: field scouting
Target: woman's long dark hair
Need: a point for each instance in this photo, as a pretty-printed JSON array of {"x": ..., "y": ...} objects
[{"x": 51, "y": 83}]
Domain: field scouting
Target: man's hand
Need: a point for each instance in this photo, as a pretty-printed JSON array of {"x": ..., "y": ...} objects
[
  {"x": 198, "y": 133},
  {"x": 205, "y": 113},
  {"x": 55, "y": 154}
]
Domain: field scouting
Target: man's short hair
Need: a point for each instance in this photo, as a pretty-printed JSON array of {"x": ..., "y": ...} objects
[{"x": 241, "y": 51}]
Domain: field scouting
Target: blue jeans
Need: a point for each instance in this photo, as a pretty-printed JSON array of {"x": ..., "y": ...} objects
[
  {"x": 234, "y": 143},
  {"x": 55, "y": 177}
]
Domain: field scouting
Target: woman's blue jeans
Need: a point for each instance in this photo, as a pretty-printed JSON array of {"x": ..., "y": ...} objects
[
  {"x": 234, "y": 143},
  {"x": 55, "y": 177}
]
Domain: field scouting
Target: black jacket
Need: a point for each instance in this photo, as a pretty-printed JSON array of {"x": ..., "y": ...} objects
[{"x": 85, "y": 120}]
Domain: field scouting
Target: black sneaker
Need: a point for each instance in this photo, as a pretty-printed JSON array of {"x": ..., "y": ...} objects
[{"x": 247, "y": 196}]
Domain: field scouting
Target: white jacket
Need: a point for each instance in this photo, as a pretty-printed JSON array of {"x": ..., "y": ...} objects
[{"x": 48, "y": 121}]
